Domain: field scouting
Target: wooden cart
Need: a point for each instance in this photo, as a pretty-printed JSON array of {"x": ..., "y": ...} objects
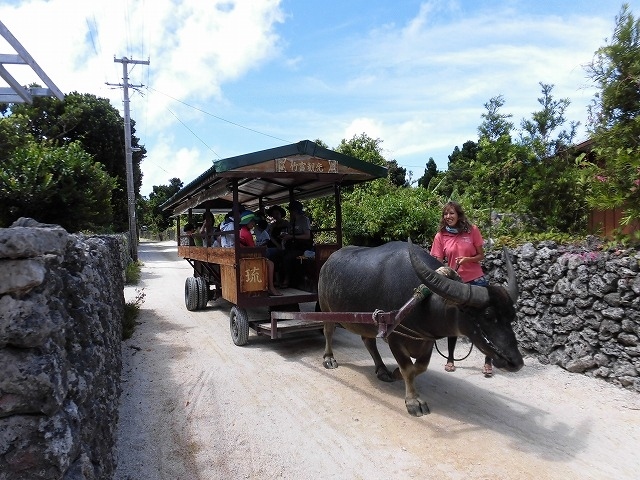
[{"x": 257, "y": 181}]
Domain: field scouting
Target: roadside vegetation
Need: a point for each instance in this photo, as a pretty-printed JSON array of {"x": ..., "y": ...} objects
[
  {"x": 132, "y": 307},
  {"x": 518, "y": 179}
]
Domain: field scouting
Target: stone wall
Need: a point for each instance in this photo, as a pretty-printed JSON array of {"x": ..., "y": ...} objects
[
  {"x": 61, "y": 308},
  {"x": 579, "y": 308}
]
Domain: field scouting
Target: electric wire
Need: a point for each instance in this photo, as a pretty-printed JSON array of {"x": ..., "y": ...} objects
[
  {"x": 127, "y": 22},
  {"x": 217, "y": 117},
  {"x": 193, "y": 133}
]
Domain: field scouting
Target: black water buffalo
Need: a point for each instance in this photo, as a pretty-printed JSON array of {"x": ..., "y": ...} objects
[{"x": 362, "y": 279}]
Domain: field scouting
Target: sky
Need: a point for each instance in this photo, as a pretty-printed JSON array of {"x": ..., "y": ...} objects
[{"x": 229, "y": 77}]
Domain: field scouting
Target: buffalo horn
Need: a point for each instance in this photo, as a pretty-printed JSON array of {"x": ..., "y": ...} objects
[
  {"x": 452, "y": 290},
  {"x": 512, "y": 282}
]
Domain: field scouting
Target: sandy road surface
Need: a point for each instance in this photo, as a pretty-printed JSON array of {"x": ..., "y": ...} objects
[{"x": 195, "y": 406}]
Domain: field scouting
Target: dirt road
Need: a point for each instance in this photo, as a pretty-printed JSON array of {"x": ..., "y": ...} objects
[{"x": 195, "y": 406}]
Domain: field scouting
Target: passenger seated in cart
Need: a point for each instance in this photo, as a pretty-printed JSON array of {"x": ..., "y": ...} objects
[
  {"x": 207, "y": 229},
  {"x": 277, "y": 226},
  {"x": 247, "y": 222},
  {"x": 186, "y": 239},
  {"x": 260, "y": 232},
  {"x": 296, "y": 241},
  {"x": 227, "y": 241}
]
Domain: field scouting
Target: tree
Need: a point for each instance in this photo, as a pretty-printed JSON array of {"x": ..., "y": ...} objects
[
  {"x": 397, "y": 175},
  {"x": 13, "y": 134},
  {"x": 531, "y": 178},
  {"x": 60, "y": 185},
  {"x": 459, "y": 169},
  {"x": 395, "y": 214},
  {"x": 549, "y": 185},
  {"x": 537, "y": 132},
  {"x": 495, "y": 124},
  {"x": 381, "y": 210},
  {"x": 430, "y": 172},
  {"x": 490, "y": 175},
  {"x": 364, "y": 148},
  {"x": 98, "y": 126},
  {"x": 152, "y": 215},
  {"x": 614, "y": 178}
]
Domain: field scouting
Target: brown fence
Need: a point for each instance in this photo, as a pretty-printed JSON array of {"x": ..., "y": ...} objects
[{"x": 604, "y": 222}]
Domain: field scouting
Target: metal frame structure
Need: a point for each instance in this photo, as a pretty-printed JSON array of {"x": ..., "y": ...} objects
[{"x": 17, "y": 93}]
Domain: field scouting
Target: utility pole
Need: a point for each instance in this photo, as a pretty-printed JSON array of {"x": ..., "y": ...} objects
[{"x": 131, "y": 195}]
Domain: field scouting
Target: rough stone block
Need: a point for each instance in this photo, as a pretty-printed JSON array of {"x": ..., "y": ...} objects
[
  {"x": 27, "y": 323},
  {"x": 31, "y": 382},
  {"x": 20, "y": 276},
  {"x": 32, "y": 241}
]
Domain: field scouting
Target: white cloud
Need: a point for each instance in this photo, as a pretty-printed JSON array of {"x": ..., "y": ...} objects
[
  {"x": 165, "y": 162},
  {"x": 193, "y": 47},
  {"x": 417, "y": 79}
]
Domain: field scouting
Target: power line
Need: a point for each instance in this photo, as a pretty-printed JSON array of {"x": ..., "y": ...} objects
[
  {"x": 220, "y": 118},
  {"x": 127, "y": 22},
  {"x": 193, "y": 133}
]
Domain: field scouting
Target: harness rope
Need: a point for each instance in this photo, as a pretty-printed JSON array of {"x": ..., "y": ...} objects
[{"x": 424, "y": 292}]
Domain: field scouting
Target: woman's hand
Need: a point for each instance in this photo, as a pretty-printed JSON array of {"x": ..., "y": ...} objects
[{"x": 461, "y": 261}]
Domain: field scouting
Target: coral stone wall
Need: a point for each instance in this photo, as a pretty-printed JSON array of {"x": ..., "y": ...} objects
[
  {"x": 579, "y": 308},
  {"x": 61, "y": 308}
]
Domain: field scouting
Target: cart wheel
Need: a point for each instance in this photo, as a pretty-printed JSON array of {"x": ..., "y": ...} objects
[
  {"x": 239, "y": 323},
  {"x": 203, "y": 292},
  {"x": 191, "y": 293}
]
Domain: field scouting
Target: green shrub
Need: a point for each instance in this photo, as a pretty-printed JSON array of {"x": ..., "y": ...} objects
[
  {"x": 131, "y": 312},
  {"x": 132, "y": 273}
]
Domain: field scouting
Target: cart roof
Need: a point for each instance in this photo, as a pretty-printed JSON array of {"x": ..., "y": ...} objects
[{"x": 304, "y": 168}]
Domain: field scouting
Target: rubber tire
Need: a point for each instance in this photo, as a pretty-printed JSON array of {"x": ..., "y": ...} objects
[
  {"x": 203, "y": 292},
  {"x": 239, "y": 325},
  {"x": 191, "y": 294}
]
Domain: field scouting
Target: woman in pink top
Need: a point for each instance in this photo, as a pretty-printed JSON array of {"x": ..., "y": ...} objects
[{"x": 459, "y": 243}]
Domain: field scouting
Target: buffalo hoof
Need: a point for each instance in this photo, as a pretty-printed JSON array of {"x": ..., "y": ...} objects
[
  {"x": 416, "y": 407},
  {"x": 384, "y": 374},
  {"x": 330, "y": 362},
  {"x": 397, "y": 374}
]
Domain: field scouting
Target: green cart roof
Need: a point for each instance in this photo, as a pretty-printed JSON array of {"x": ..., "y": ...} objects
[{"x": 304, "y": 169}]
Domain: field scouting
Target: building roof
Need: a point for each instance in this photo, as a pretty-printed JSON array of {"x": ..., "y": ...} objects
[{"x": 304, "y": 170}]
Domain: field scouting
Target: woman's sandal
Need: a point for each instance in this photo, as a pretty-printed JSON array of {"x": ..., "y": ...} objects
[
  {"x": 450, "y": 367},
  {"x": 487, "y": 370}
]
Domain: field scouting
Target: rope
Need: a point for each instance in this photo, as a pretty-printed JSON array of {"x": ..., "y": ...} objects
[{"x": 454, "y": 359}]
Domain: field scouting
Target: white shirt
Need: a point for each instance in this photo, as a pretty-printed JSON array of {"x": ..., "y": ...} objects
[{"x": 228, "y": 240}]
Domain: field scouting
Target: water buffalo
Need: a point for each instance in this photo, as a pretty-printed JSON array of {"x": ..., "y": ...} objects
[{"x": 363, "y": 279}]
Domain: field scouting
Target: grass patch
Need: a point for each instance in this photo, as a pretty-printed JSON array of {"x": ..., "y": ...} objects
[
  {"x": 132, "y": 273},
  {"x": 131, "y": 313}
]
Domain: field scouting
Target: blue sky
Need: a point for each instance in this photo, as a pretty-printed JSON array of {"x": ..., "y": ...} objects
[{"x": 235, "y": 76}]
